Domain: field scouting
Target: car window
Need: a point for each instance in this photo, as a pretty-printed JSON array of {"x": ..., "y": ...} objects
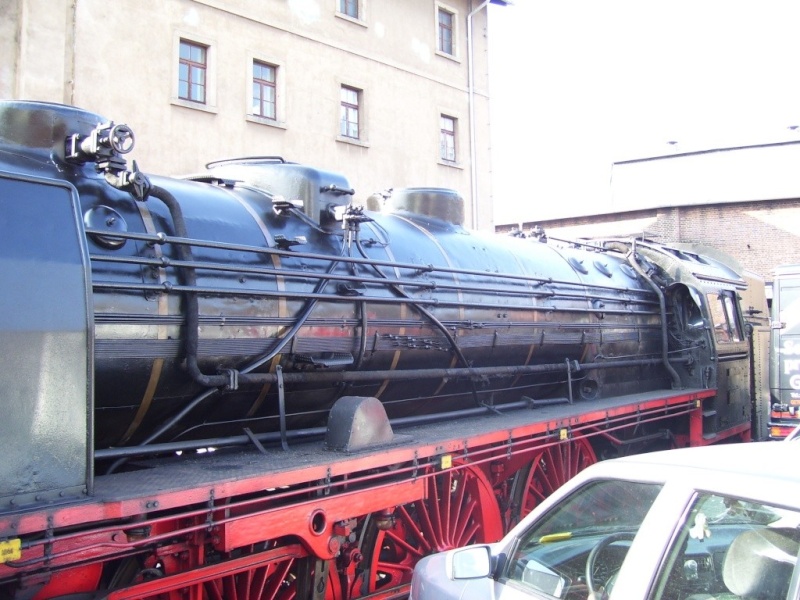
[
  {"x": 581, "y": 543},
  {"x": 731, "y": 548}
]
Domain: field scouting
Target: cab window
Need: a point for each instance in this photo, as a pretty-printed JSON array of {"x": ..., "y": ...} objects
[
  {"x": 580, "y": 545},
  {"x": 725, "y": 317},
  {"x": 731, "y": 548}
]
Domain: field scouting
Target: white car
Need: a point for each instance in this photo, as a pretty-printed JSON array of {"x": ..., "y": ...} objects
[{"x": 719, "y": 522}]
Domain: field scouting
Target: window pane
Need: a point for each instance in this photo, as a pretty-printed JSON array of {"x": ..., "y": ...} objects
[
  {"x": 551, "y": 557},
  {"x": 264, "y": 72},
  {"x": 349, "y": 96},
  {"x": 733, "y": 320},
  {"x": 445, "y": 31},
  {"x": 722, "y": 331},
  {"x": 445, "y": 18},
  {"x": 349, "y": 7},
  {"x": 728, "y": 547}
]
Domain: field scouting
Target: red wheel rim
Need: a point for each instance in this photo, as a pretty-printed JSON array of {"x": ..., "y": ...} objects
[
  {"x": 549, "y": 469},
  {"x": 275, "y": 577},
  {"x": 275, "y": 581},
  {"x": 460, "y": 508}
]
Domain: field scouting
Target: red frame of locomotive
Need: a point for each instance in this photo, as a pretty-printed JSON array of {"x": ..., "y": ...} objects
[{"x": 313, "y": 512}]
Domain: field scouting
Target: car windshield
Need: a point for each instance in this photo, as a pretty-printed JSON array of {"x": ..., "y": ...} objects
[{"x": 580, "y": 545}]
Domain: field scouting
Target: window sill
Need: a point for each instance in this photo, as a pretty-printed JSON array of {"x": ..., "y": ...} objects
[
  {"x": 352, "y": 141},
  {"x": 193, "y": 105},
  {"x": 452, "y": 57},
  {"x": 452, "y": 165},
  {"x": 352, "y": 20},
  {"x": 265, "y": 121}
]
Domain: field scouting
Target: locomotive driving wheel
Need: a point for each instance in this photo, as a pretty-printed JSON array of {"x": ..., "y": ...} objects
[
  {"x": 460, "y": 508},
  {"x": 281, "y": 571},
  {"x": 550, "y": 467},
  {"x": 274, "y": 581}
]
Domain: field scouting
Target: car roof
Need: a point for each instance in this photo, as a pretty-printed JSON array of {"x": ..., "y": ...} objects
[{"x": 760, "y": 470}]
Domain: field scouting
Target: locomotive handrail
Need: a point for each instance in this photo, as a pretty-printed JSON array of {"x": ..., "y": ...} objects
[
  {"x": 162, "y": 238},
  {"x": 170, "y": 287},
  {"x": 314, "y": 276}
]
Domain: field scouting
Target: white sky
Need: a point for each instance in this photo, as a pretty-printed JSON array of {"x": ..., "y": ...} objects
[{"x": 576, "y": 85}]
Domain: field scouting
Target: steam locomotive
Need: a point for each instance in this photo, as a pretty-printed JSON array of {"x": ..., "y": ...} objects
[
  {"x": 145, "y": 315},
  {"x": 184, "y": 312}
]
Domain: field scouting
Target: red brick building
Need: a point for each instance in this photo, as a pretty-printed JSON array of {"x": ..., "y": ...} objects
[{"x": 744, "y": 201}]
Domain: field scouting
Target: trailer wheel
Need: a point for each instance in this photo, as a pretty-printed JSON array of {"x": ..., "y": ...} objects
[
  {"x": 460, "y": 508},
  {"x": 549, "y": 469}
]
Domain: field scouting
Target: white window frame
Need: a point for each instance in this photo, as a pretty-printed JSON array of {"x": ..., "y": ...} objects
[
  {"x": 441, "y": 6},
  {"x": 453, "y": 134},
  {"x": 280, "y": 91},
  {"x": 363, "y": 129},
  {"x": 210, "y": 104},
  {"x": 362, "y": 14},
  {"x": 458, "y": 118}
]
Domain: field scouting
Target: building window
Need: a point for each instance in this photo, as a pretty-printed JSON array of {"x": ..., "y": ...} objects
[
  {"x": 447, "y": 138},
  {"x": 349, "y": 8},
  {"x": 264, "y": 90},
  {"x": 446, "y": 20},
  {"x": 350, "y": 108},
  {"x": 193, "y": 67}
]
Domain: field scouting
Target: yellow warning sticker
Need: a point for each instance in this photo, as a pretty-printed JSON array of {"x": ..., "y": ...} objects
[
  {"x": 10, "y": 550},
  {"x": 447, "y": 461}
]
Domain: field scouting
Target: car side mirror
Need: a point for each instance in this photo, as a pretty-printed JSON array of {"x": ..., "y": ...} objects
[{"x": 472, "y": 563}]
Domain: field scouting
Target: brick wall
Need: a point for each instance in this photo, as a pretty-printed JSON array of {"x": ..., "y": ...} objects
[{"x": 761, "y": 235}]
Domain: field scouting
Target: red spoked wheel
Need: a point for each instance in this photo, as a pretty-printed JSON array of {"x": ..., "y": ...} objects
[
  {"x": 274, "y": 581},
  {"x": 460, "y": 508},
  {"x": 549, "y": 469},
  {"x": 275, "y": 573}
]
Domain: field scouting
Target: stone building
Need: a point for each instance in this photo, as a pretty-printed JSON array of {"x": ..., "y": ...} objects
[
  {"x": 744, "y": 201},
  {"x": 391, "y": 94}
]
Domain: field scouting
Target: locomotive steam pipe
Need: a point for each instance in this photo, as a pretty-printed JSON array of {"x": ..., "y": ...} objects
[
  {"x": 676, "y": 380},
  {"x": 190, "y": 279},
  {"x": 167, "y": 447}
]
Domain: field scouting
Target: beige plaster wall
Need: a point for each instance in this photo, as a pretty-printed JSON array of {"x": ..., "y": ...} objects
[{"x": 119, "y": 59}]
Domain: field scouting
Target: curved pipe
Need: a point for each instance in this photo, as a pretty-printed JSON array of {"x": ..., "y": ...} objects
[
  {"x": 190, "y": 279},
  {"x": 662, "y": 304}
]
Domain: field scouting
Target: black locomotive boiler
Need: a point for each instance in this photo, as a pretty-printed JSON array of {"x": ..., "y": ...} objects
[
  {"x": 144, "y": 312},
  {"x": 376, "y": 382}
]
